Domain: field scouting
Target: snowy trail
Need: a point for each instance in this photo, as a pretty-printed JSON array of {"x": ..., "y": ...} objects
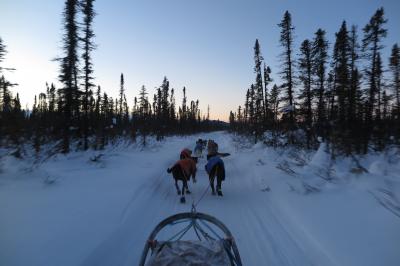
[
  {"x": 245, "y": 209},
  {"x": 102, "y": 213}
]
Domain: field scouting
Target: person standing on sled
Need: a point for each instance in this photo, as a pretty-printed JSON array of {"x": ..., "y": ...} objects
[{"x": 215, "y": 166}]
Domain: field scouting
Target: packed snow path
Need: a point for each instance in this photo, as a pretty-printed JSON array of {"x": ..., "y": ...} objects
[{"x": 71, "y": 211}]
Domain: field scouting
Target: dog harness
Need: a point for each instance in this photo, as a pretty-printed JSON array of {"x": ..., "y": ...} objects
[
  {"x": 186, "y": 153},
  {"x": 213, "y": 161},
  {"x": 188, "y": 166}
]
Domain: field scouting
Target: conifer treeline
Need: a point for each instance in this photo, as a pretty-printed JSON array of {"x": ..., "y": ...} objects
[
  {"x": 345, "y": 98},
  {"x": 83, "y": 113}
]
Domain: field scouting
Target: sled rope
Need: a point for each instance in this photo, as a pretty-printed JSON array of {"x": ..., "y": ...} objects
[
  {"x": 181, "y": 233},
  {"x": 204, "y": 233},
  {"x": 205, "y": 191},
  {"x": 210, "y": 228}
]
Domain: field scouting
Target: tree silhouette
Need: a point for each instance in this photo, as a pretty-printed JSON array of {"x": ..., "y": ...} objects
[
  {"x": 286, "y": 41},
  {"x": 68, "y": 76}
]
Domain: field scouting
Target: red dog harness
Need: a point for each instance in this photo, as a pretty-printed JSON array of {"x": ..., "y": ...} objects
[
  {"x": 186, "y": 153},
  {"x": 188, "y": 166}
]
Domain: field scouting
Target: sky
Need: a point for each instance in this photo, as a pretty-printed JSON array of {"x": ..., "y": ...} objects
[{"x": 205, "y": 45}]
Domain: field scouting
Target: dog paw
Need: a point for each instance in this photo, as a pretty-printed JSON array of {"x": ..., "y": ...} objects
[{"x": 183, "y": 200}]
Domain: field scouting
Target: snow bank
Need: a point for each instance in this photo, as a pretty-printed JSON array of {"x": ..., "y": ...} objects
[
  {"x": 284, "y": 206},
  {"x": 321, "y": 158}
]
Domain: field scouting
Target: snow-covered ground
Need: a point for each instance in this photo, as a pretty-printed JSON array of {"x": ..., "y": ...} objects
[{"x": 284, "y": 207}]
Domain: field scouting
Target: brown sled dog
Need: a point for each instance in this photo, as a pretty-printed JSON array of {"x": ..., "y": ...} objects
[
  {"x": 186, "y": 153},
  {"x": 183, "y": 170}
]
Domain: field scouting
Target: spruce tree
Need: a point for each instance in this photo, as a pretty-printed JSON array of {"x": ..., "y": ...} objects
[
  {"x": 172, "y": 111},
  {"x": 232, "y": 122},
  {"x": 97, "y": 118},
  {"x": 379, "y": 85},
  {"x": 52, "y": 98},
  {"x": 239, "y": 119},
  {"x": 341, "y": 68},
  {"x": 374, "y": 32},
  {"x": 306, "y": 97},
  {"x": 259, "y": 106},
  {"x": 143, "y": 102},
  {"x": 274, "y": 105},
  {"x": 18, "y": 120},
  {"x": 355, "y": 102},
  {"x": 5, "y": 95},
  {"x": 10, "y": 118},
  {"x": 378, "y": 109},
  {"x": 394, "y": 64},
  {"x": 121, "y": 97},
  {"x": 274, "y": 101},
  {"x": 3, "y": 52},
  {"x": 252, "y": 113},
  {"x": 320, "y": 58},
  {"x": 88, "y": 47},
  {"x": 165, "y": 101},
  {"x": 267, "y": 80},
  {"x": 144, "y": 114},
  {"x": 353, "y": 76},
  {"x": 341, "y": 61},
  {"x": 69, "y": 72},
  {"x": 183, "y": 113},
  {"x": 286, "y": 41},
  {"x": 386, "y": 125},
  {"x": 246, "y": 107}
]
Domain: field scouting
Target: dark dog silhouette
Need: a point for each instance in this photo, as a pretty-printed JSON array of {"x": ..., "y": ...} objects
[
  {"x": 216, "y": 170},
  {"x": 182, "y": 170}
]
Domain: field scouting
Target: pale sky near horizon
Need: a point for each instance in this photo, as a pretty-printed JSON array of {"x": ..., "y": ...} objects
[{"x": 204, "y": 45}]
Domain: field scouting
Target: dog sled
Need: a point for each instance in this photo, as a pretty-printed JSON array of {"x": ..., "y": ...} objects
[{"x": 213, "y": 244}]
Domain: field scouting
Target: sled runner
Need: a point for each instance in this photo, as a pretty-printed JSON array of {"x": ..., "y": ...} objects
[{"x": 210, "y": 248}]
